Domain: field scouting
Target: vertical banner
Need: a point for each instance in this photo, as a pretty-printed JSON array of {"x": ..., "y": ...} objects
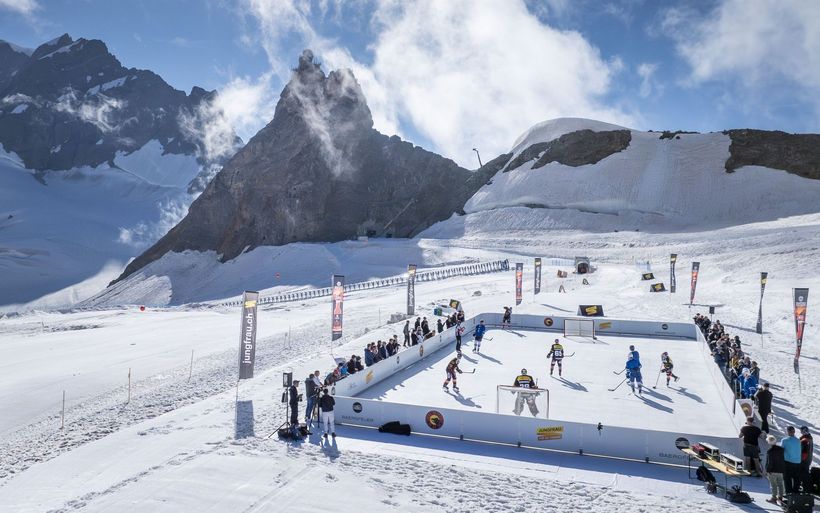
[
  {"x": 337, "y": 298},
  {"x": 694, "y": 285},
  {"x": 672, "y": 260},
  {"x": 537, "y": 289},
  {"x": 247, "y": 335},
  {"x": 801, "y": 300},
  {"x": 411, "y": 289},
  {"x": 759, "y": 328},
  {"x": 519, "y": 282}
]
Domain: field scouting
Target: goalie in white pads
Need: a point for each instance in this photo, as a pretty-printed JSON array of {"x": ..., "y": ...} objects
[
  {"x": 524, "y": 380},
  {"x": 557, "y": 354}
]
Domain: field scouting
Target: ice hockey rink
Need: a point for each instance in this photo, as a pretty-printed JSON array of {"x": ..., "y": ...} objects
[{"x": 692, "y": 405}]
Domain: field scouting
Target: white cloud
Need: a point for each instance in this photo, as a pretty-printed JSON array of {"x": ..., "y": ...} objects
[
  {"x": 755, "y": 43},
  {"x": 649, "y": 85},
  {"x": 462, "y": 73},
  {"x": 97, "y": 110},
  {"x": 469, "y": 74},
  {"x": 242, "y": 107},
  {"x": 25, "y": 7}
]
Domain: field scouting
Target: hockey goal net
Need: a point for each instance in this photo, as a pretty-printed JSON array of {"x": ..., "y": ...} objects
[
  {"x": 526, "y": 402},
  {"x": 579, "y": 328}
]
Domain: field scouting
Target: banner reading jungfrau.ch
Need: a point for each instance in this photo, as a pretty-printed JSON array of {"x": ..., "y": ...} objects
[
  {"x": 537, "y": 289},
  {"x": 336, "y": 306},
  {"x": 672, "y": 260},
  {"x": 694, "y": 285},
  {"x": 759, "y": 327},
  {"x": 801, "y": 301},
  {"x": 519, "y": 282},
  {"x": 411, "y": 289},
  {"x": 247, "y": 335}
]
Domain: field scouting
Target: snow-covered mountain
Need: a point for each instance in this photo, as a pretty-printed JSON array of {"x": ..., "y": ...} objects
[
  {"x": 97, "y": 161},
  {"x": 587, "y": 175}
]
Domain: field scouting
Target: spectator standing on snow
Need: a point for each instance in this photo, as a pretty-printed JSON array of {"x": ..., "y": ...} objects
[
  {"x": 326, "y": 404},
  {"x": 764, "y": 406},
  {"x": 806, "y": 455},
  {"x": 406, "y": 332},
  {"x": 312, "y": 387},
  {"x": 791, "y": 455},
  {"x": 425, "y": 327},
  {"x": 775, "y": 466},
  {"x": 440, "y": 326}
]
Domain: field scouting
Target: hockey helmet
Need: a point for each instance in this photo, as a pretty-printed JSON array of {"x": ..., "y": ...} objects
[
  {"x": 631, "y": 348},
  {"x": 664, "y": 353},
  {"x": 524, "y": 371}
]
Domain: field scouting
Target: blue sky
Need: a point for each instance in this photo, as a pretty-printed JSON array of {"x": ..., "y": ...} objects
[{"x": 453, "y": 74}]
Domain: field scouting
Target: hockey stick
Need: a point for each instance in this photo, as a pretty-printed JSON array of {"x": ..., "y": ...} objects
[
  {"x": 488, "y": 338},
  {"x": 657, "y": 379},
  {"x": 569, "y": 355},
  {"x": 618, "y": 386},
  {"x": 619, "y": 373}
]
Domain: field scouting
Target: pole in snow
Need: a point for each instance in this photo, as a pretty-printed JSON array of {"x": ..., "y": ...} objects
[{"x": 479, "y": 157}]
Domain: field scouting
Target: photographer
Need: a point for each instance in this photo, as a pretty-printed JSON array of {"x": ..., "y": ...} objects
[{"x": 313, "y": 386}]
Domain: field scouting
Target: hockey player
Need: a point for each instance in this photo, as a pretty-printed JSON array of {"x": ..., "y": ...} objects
[
  {"x": 666, "y": 366},
  {"x": 459, "y": 333},
  {"x": 506, "y": 320},
  {"x": 557, "y": 354},
  {"x": 633, "y": 373},
  {"x": 524, "y": 380},
  {"x": 633, "y": 353},
  {"x": 478, "y": 334},
  {"x": 452, "y": 368}
]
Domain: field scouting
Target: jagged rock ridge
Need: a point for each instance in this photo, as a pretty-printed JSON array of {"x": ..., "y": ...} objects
[
  {"x": 320, "y": 172},
  {"x": 71, "y": 103}
]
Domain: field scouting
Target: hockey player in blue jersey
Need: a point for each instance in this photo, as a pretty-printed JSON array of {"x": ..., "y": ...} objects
[
  {"x": 633, "y": 353},
  {"x": 633, "y": 373},
  {"x": 478, "y": 334}
]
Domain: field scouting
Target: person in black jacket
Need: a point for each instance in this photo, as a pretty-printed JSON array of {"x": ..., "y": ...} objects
[
  {"x": 326, "y": 404},
  {"x": 764, "y": 406},
  {"x": 406, "y": 332},
  {"x": 425, "y": 327},
  {"x": 775, "y": 467},
  {"x": 293, "y": 399}
]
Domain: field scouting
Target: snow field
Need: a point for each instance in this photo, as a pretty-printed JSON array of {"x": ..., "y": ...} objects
[{"x": 690, "y": 406}]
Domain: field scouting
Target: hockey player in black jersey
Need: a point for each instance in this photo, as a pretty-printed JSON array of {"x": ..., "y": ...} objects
[
  {"x": 452, "y": 368},
  {"x": 557, "y": 354},
  {"x": 667, "y": 366}
]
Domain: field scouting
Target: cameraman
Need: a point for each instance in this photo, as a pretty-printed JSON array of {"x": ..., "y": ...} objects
[{"x": 313, "y": 386}]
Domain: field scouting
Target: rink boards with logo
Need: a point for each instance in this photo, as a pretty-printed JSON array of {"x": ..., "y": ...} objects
[{"x": 584, "y": 415}]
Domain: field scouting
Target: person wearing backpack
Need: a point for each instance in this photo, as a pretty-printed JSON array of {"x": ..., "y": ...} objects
[{"x": 775, "y": 467}]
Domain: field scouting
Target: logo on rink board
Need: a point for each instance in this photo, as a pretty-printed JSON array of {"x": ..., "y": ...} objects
[
  {"x": 548, "y": 321},
  {"x": 604, "y": 325},
  {"x": 357, "y": 407},
  {"x": 434, "y": 419},
  {"x": 421, "y": 350},
  {"x": 369, "y": 377},
  {"x": 550, "y": 433}
]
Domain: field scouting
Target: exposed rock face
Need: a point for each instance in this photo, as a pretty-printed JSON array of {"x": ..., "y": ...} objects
[
  {"x": 796, "y": 153},
  {"x": 574, "y": 149},
  {"x": 71, "y": 103},
  {"x": 320, "y": 172}
]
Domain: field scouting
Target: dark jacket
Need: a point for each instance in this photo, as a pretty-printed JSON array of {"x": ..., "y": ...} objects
[
  {"x": 294, "y": 395},
  {"x": 774, "y": 460},
  {"x": 764, "y": 400},
  {"x": 806, "y": 449},
  {"x": 310, "y": 386},
  {"x": 368, "y": 357},
  {"x": 351, "y": 366},
  {"x": 327, "y": 402}
]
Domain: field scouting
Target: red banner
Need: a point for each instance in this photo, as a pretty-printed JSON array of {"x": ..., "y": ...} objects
[
  {"x": 801, "y": 300},
  {"x": 519, "y": 283}
]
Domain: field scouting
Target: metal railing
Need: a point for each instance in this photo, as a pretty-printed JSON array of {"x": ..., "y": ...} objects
[{"x": 421, "y": 276}]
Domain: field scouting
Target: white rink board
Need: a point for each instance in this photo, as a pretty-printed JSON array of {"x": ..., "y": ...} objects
[
  {"x": 692, "y": 405},
  {"x": 584, "y": 415}
]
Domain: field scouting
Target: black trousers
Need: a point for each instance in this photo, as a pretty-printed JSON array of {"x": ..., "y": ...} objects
[
  {"x": 294, "y": 413},
  {"x": 805, "y": 476},
  {"x": 792, "y": 477},
  {"x": 764, "y": 424}
]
